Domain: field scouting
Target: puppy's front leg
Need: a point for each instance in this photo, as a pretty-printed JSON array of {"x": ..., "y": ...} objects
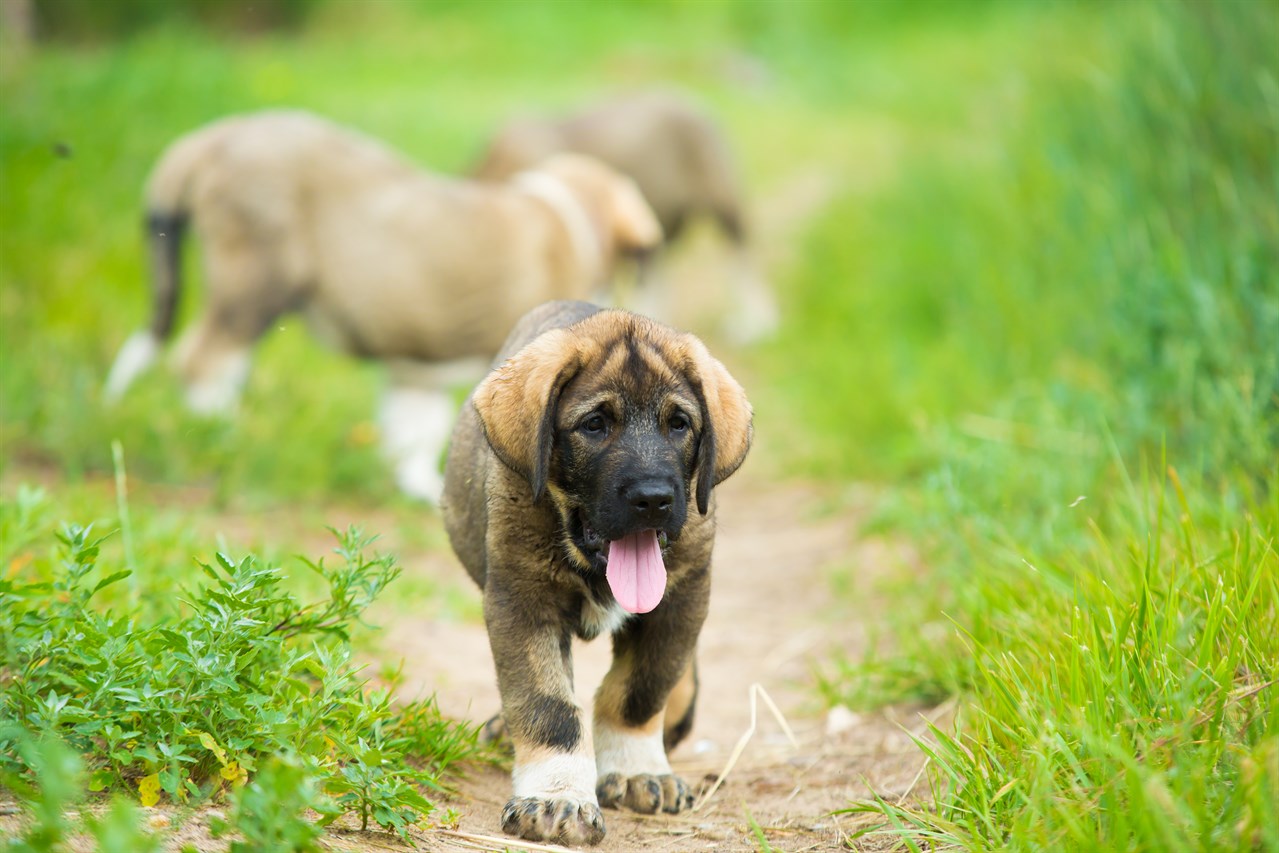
[
  {"x": 650, "y": 656},
  {"x": 553, "y": 783}
]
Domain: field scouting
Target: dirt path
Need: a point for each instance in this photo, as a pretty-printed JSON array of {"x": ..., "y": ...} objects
[{"x": 772, "y": 618}]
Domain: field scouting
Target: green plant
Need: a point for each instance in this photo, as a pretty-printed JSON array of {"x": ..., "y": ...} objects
[
  {"x": 372, "y": 784},
  {"x": 1123, "y": 692},
  {"x": 191, "y": 705},
  {"x": 757, "y": 831},
  {"x": 55, "y": 787},
  {"x": 268, "y": 810},
  {"x": 120, "y": 828}
]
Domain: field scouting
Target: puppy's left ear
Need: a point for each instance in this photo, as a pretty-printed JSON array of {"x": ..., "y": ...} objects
[
  {"x": 635, "y": 226},
  {"x": 517, "y": 401},
  {"x": 726, "y": 421}
]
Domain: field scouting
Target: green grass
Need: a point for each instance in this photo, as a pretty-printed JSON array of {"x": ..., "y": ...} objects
[
  {"x": 1070, "y": 357},
  {"x": 1041, "y": 313},
  {"x": 1120, "y": 693}
]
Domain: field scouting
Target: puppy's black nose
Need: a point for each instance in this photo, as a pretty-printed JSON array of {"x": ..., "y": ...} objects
[{"x": 651, "y": 500}]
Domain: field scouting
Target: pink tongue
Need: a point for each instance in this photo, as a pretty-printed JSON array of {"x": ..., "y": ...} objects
[{"x": 636, "y": 573}]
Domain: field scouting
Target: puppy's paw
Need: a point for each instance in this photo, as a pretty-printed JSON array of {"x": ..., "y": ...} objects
[
  {"x": 645, "y": 793},
  {"x": 564, "y": 820}
]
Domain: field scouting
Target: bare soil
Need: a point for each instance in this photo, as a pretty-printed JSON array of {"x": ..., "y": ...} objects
[{"x": 773, "y": 619}]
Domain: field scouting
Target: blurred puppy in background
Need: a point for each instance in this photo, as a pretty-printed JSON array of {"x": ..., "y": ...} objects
[
  {"x": 383, "y": 260},
  {"x": 679, "y": 160}
]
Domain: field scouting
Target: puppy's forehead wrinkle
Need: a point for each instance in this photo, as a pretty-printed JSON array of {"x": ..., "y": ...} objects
[{"x": 634, "y": 371}]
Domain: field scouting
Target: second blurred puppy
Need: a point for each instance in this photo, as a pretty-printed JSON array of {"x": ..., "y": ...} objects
[
  {"x": 383, "y": 260},
  {"x": 678, "y": 158}
]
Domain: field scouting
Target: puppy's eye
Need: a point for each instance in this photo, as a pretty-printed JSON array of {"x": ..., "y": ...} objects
[
  {"x": 679, "y": 422},
  {"x": 595, "y": 425}
]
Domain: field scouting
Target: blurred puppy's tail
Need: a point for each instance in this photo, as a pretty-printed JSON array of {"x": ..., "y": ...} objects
[
  {"x": 168, "y": 206},
  {"x": 167, "y": 200},
  {"x": 164, "y": 231}
]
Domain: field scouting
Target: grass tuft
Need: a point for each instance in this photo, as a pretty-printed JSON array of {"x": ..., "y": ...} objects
[{"x": 1079, "y": 382}]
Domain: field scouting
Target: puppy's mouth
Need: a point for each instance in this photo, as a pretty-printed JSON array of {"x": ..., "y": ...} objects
[{"x": 632, "y": 563}]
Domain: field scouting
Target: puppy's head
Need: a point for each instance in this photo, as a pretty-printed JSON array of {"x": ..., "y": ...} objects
[
  {"x": 626, "y": 425},
  {"x": 612, "y": 201}
]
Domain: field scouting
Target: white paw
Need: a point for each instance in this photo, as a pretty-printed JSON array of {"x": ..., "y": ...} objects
[{"x": 138, "y": 353}]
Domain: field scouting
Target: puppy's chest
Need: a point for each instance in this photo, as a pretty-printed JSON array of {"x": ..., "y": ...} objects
[{"x": 600, "y": 618}]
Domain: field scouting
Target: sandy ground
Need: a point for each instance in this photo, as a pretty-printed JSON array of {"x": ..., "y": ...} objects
[{"x": 772, "y": 619}]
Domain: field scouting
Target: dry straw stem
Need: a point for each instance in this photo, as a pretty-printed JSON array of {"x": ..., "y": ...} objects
[
  {"x": 757, "y": 692},
  {"x": 490, "y": 842}
]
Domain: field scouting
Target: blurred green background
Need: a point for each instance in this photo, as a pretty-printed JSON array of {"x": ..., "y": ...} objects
[
  {"x": 1007, "y": 222},
  {"x": 1026, "y": 252}
]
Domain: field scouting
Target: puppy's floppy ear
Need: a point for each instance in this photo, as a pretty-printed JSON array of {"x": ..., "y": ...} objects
[
  {"x": 517, "y": 401},
  {"x": 635, "y": 226},
  {"x": 726, "y": 420}
]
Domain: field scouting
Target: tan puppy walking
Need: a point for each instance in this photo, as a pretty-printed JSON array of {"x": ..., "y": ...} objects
[{"x": 296, "y": 214}]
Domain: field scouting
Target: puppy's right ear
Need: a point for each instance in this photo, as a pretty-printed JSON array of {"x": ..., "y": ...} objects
[
  {"x": 517, "y": 401},
  {"x": 727, "y": 428}
]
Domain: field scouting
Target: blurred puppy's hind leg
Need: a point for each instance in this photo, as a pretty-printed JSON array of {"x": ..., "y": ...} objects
[{"x": 139, "y": 352}]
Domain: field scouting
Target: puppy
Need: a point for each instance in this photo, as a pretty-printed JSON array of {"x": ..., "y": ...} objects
[
  {"x": 383, "y": 260},
  {"x": 578, "y": 496},
  {"x": 678, "y": 158}
]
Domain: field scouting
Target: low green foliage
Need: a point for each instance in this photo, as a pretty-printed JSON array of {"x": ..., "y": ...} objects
[
  {"x": 268, "y": 809},
  {"x": 239, "y": 673},
  {"x": 55, "y": 786},
  {"x": 1071, "y": 358}
]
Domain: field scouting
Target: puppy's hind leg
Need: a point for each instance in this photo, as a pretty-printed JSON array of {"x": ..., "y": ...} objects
[
  {"x": 416, "y": 417},
  {"x": 755, "y": 315},
  {"x": 253, "y": 279},
  {"x": 415, "y": 424},
  {"x": 214, "y": 366},
  {"x": 680, "y": 706}
]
